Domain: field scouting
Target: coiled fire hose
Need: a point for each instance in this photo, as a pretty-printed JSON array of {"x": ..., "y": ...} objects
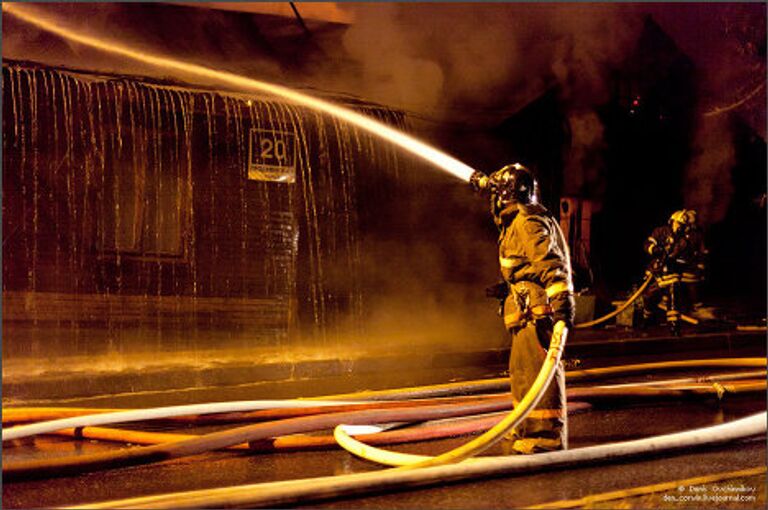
[
  {"x": 621, "y": 308},
  {"x": 489, "y": 438}
]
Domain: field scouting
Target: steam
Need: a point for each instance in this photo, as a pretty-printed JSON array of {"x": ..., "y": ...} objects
[
  {"x": 478, "y": 64},
  {"x": 193, "y": 38},
  {"x": 399, "y": 138}
]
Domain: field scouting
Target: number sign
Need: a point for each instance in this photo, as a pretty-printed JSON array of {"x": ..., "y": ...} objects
[{"x": 272, "y": 156}]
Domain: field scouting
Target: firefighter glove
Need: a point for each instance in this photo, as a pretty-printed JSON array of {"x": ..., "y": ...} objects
[
  {"x": 499, "y": 291},
  {"x": 563, "y": 308},
  {"x": 478, "y": 181}
]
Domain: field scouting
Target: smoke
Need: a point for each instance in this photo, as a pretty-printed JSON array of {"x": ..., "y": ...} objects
[
  {"x": 582, "y": 171},
  {"x": 461, "y": 60},
  {"x": 708, "y": 181},
  {"x": 727, "y": 45},
  {"x": 475, "y": 64}
]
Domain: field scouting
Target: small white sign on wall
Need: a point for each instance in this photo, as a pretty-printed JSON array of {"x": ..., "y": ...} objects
[{"x": 272, "y": 156}]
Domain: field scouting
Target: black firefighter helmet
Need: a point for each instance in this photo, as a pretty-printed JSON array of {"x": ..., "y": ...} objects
[{"x": 513, "y": 184}]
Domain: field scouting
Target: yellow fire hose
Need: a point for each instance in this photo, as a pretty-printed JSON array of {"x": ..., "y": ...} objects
[
  {"x": 492, "y": 436},
  {"x": 216, "y": 440},
  {"x": 481, "y": 443},
  {"x": 389, "y": 458},
  {"x": 620, "y": 309}
]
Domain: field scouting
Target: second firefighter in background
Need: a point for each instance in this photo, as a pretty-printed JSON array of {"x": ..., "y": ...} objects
[
  {"x": 537, "y": 291},
  {"x": 678, "y": 255}
]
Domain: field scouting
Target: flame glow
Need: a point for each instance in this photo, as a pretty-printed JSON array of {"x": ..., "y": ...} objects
[{"x": 410, "y": 144}]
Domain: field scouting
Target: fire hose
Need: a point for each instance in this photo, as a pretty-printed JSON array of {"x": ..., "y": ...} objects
[
  {"x": 497, "y": 432},
  {"x": 409, "y": 461},
  {"x": 621, "y": 308},
  {"x": 165, "y": 451},
  {"x": 278, "y": 494},
  {"x": 634, "y": 297},
  {"x": 502, "y": 383},
  {"x": 275, "y": 493},
  {"x": 209, "y": 413},
  {"x": 148, "y": 454},
  {"x": 213, "y": 441},
  {"x": 435, "y": 429},
  {"x": 149, "y": 414},
  {"x": 36, "y": 469},
  {"x": 481, "y": 443},
  {"x": 224, "y": 412},
  {"x": 719, "y": 385}
]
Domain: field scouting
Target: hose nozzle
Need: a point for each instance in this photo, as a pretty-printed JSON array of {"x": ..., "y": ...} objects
[{"x": 478, "y": 181}]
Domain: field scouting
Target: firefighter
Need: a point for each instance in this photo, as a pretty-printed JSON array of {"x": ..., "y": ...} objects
[
  {"x": 677, "y": 264},
  {"x": 536, "y": 292}
]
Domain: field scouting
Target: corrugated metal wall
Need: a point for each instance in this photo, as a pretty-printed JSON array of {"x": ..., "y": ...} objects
[{"x": 130, "y": 222}]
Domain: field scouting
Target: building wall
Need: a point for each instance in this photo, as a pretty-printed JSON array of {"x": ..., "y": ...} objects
[{"x": 130, "y": 222}]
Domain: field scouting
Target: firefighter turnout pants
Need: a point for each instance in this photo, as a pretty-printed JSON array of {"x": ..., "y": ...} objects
[{"x": 546, "y": 427}]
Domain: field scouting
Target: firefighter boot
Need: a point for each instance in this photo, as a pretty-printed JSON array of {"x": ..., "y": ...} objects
[{"x": 512, "y": 444}]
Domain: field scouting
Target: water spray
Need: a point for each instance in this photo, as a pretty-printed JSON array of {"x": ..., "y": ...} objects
[{"x": 398, "y": 138}]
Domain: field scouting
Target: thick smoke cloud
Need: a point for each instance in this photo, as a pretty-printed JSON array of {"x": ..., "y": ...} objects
[
  {"x": 583, "y": 164},
  {"x": 479, "y": 63},
  {"x": 450, "y": 58}
]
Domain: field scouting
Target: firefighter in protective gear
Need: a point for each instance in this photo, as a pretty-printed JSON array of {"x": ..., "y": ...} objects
[
  {"x": 537, "y": 292},
  {"x": 677, "y": 263}
]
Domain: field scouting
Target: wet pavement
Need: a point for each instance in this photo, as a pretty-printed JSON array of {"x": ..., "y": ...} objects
[
  {"x": 176, "y": 379},
  {"x": 598, "y": 426},
  {"x": 605, "y": 423}
]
